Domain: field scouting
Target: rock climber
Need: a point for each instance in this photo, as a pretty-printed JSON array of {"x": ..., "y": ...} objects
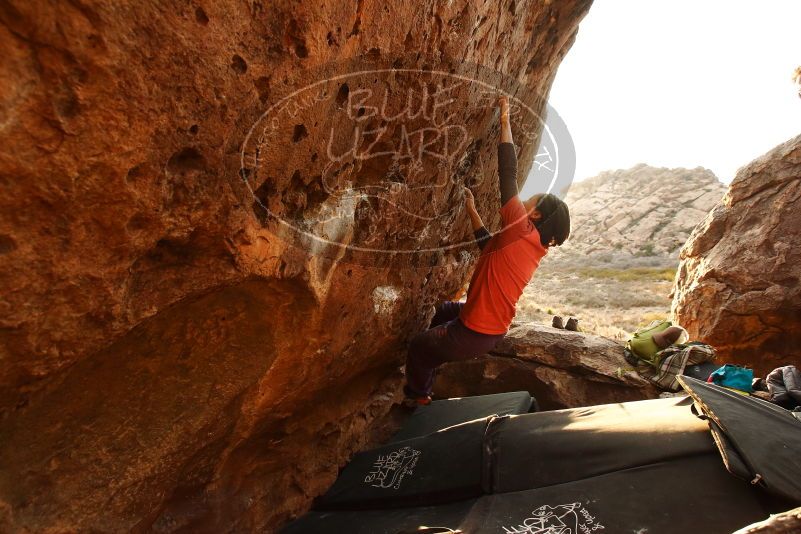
[{"x": 508, "y": 259}]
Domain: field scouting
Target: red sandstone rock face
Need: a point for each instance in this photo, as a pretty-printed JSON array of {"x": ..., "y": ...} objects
[
  {"x": 561, "y": 369},
  {"x": 171, "y": 358},
  {"x": 738, "y": 282}
]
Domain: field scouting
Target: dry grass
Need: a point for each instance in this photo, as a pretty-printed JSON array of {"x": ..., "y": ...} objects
[
  {"x": 608, "y": 301},
  {"x": 629, "y": 275}
]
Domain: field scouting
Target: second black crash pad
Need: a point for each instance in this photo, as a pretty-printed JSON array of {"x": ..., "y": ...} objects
[
  {"x": 758, "y": 440},
  {"x": 546, "y": 448}
]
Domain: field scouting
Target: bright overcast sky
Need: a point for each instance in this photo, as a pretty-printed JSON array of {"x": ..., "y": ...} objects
[{"x": 681, "y": 83}]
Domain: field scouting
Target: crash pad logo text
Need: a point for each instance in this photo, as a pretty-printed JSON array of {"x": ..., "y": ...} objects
[
  {"x": 570, "y": 518},
  {"x": 389, "y": 470}
]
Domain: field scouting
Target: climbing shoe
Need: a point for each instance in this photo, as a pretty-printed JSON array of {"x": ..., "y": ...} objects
[
  {"x": 557, "y": 322},
  {"x": 411, "y": 403},
  {"x": 572, "y": 324}
]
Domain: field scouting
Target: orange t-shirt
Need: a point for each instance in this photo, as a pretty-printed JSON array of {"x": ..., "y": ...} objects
[{"x": 505, "y": 266}]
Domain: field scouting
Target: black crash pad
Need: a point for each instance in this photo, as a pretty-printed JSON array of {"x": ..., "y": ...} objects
[
  {"x": 758, "y": 439},
  {"x": 545, "y": 448},
  {"x": 518, "y": 453},
  {"x": 448, "y": 412},
  {"x": 444, "y": 466}
]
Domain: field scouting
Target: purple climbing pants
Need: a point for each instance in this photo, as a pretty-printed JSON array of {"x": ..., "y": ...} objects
[{"x": 446, "y": 340}]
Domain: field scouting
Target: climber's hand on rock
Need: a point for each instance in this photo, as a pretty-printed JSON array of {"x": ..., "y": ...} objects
[
  {"x": 506, "y": 126},
  {"x": 503, "y": 104},
  {"x": 470, "y": 206},
  {"x": 469, "y": 200}
]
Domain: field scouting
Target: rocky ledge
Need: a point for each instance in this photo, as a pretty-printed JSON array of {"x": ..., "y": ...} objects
[{"x": 562, "y": 369}]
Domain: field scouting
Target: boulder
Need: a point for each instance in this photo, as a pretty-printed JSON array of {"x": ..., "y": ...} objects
[
  {"x": 737, "y": 286},
  {"x": 560, "y": 368},
  {"x": 210, "y": 264}
]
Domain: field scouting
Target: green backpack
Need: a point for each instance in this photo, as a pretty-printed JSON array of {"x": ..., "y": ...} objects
[{"x": 642, "y": 343}]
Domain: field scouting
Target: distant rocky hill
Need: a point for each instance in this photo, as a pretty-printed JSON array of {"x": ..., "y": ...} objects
[{"x": 642, "y": 212}]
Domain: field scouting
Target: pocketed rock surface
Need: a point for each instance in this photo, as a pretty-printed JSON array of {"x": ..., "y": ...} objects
[
  {"x": 172, "y": 358},
  {"x": 560, "y": 368},
  {"x": 737, "y": 287}
]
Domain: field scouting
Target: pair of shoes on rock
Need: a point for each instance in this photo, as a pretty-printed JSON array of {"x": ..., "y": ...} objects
[{"x": 571, "y": 324}]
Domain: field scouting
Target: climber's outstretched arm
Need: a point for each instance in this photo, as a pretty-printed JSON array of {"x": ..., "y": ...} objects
[
  {"x": 507, "y": 158},
  {"x": 479, "y": 230}
]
